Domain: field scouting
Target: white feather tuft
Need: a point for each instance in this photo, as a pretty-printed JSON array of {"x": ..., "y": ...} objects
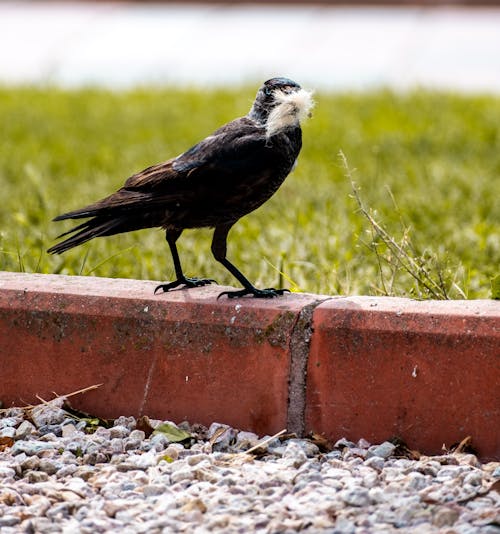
[{"x": 290, "y": 110}]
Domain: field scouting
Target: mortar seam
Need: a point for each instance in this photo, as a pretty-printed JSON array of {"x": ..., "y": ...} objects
[{"x": 299, "y": 347}]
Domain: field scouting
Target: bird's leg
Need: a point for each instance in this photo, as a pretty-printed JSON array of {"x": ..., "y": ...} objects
[
  {"x": 171, "y": 237},
  {"x": 219, "y": 250}
]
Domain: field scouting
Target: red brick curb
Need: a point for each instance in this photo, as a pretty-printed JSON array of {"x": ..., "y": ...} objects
[
  {"x": 425, "y": 371},
  {"x": 428, "y": 372}
]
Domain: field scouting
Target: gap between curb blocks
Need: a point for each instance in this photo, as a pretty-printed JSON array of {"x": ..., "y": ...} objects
[{"x": 300, "y": 346}]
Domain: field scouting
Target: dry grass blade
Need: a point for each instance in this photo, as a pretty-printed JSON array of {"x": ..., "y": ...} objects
[
  {"x": 43, "y": 401},
  {"x": 246, "y": 456},
  {"x": 403, "y": 255},
  {"x": 78, "y": 392},
  {"x": 463, "y": 445},
  {"x": 217, "y": 434},
  {"x": 264, "y": 442}
]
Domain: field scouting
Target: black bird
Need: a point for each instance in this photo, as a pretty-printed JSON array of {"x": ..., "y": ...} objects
[{"x": 217, "y": 181}]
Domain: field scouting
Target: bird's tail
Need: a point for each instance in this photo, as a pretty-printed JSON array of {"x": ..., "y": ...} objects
[
  {"x": 122, "y": 211},
  {"x": 96, "y": 227}
]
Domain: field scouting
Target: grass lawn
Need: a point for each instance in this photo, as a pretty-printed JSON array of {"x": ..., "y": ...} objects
[{"x": 427, "y": 167}]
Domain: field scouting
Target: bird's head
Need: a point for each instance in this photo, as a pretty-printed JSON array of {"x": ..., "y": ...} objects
[{"x": 281, "y": 103}]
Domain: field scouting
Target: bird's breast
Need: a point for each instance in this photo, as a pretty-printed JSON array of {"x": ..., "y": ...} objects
[{"x": 227, "y": 192}]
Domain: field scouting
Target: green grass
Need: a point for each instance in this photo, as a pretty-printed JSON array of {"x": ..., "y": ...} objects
[{"x": 431, "y": 159}]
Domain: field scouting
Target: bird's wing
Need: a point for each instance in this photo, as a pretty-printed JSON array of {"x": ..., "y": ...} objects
[
  {"x": 235, "y": 141},
  {"x": 153, "y": 177},
  {"x": 229, "y": 149}
]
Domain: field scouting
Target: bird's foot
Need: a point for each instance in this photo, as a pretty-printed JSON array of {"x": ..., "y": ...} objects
[
  {"x": 186, "y": 282},
  {"x": 268, "y": 293}
]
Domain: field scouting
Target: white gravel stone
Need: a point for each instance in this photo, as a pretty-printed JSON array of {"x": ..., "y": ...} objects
[
  {"x": 48, "y": 414},
  {"x": 7, "y": 432},
  {"x": 375, "y": 462},
  {"x": 221, "y": 436},
  {"x": 119, "y": 431},
  {"x": 417, "y": 481},
  {"x": 68, "y": 430},
  {"x": 6, "y": 472},
  {"x": 384, "y": 450},
  {"x": 9, "y": 520},
  {"x": 474, "y": 478},
  {"x": 117, "y": 480},
  {"x": 32, "y": 448},
  {"x": 24, "y": 429},
  {"x": 246, "y": 440}
]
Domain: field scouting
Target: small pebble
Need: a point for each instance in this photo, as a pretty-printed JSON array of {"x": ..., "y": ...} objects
[
  {"x": 31, "y": 448},
  {"x": 50, "y": 413},
  {"x": 24, "y": 429},
  {"x": 384, "y": 450},
  {"x": 246, "y": 440},
  {"x": 152, "y": 490},
  {"x": 221, "y": 436},
  {"x": 356, "y": 496},
  {"x": 7, "y": 432},
  {"x": 9, "y": 521},
  {"x": 48, "y": 466},
  {"x": 445, "y": 517},
  {"x": 119, "y": 431},
  {"x": 6, "y": 472},
  {"x": 343, "y": 442},
  {"x": 68, "y": 431},
  {"x": 376, "y": 462}
]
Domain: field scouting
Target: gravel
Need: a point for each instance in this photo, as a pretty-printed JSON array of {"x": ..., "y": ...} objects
[{"x": 59, "y": 473}]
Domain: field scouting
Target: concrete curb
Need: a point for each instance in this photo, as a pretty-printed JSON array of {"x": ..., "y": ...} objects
[{"x": 427, "y": 372}]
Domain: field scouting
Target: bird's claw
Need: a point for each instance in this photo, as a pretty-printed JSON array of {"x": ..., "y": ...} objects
[
  {"x": 186, "y": 282},
  {"x": 267, "y": 293}
]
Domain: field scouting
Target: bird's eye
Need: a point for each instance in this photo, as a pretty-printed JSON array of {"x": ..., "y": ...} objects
[{"x": 267, "y": 91}]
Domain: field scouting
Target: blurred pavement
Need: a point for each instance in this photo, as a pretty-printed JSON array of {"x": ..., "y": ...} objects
[{"x": 121, "y": 45}]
